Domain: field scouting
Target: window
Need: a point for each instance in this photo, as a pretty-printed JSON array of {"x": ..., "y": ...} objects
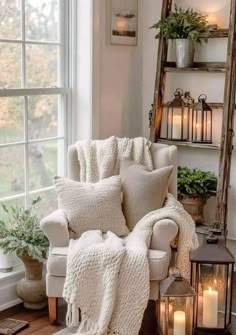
[{"x": 34, "y": 96}]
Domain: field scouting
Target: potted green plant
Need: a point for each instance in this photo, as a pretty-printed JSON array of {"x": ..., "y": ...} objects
[
  {"x": 20, "y": 233},
  {"x": 194, "y": 188},
  {"x": 186, "y": 27}
]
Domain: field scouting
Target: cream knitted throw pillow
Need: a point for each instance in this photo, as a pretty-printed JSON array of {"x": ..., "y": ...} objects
[{"x": 91, "y": 206}]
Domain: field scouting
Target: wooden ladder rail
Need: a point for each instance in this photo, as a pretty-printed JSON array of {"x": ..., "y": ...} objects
[
  {"x": 227, "y": 125},
  {"x": 160, "y": 78}
]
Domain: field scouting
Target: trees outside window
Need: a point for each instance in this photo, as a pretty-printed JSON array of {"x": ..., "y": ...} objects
[{"x": 33, "y": 99}]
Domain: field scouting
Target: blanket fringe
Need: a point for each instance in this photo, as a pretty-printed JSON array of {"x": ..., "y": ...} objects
[{"x": 72, "y": 316}]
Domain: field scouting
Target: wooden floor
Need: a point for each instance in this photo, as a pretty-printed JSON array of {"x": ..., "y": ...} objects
[{"x": 39, "y": 323}]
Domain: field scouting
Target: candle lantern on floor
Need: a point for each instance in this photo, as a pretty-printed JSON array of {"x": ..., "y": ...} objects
[
  {"x": 212, "y": 279},
  {"x": 176, "y": 115},
  {"x": 202, "y": 121},
  {"x": 175, "y": 306}
]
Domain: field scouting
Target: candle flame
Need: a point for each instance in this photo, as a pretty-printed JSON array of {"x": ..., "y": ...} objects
[
  {"x": 197, "y": 125},
  {"x": 210, "y": 289}
]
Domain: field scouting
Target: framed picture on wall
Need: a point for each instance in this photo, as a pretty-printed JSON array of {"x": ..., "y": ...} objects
[{"x": 124, "y": 22}]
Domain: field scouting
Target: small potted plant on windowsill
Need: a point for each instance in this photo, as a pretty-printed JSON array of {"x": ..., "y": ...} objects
[
  {"x": 186, "y": 27},
  {"x": 20, "y": 233},
  {"x": 194, "y": 188}
]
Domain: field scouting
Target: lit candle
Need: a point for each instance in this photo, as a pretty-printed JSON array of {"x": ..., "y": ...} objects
[
  {"x": 121, "y": 24},
  {"x": 177, "y": 126},
  {"x": 210, "y": 308},
  {"x": 211, "y": 18},
  {"x": 198, "y": 132},
  {"x": 179, "y": 323}
]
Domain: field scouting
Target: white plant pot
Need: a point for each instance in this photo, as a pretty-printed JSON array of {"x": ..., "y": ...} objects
[{"x": 5, "y": 262}]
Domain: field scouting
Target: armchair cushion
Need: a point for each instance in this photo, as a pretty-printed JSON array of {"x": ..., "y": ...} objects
[
  {"x": 143, "y": 191},
  {"x": 158, "y": 261},
  {"x": 91, "y": 206}
]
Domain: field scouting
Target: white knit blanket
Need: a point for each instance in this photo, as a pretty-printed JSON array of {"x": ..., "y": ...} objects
[
  {"x": 100, "y": 159},
  {"x": 108, "y": 278}
]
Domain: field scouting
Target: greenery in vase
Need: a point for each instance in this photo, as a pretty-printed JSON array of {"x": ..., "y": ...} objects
[
  {"x": 182, "y": 24},
  {"x": 20, "y": 232},
  {"x": 195, "y": 182}
]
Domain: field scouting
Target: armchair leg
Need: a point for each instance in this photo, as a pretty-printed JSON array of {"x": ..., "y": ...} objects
[{"x": 52, "y": 309}]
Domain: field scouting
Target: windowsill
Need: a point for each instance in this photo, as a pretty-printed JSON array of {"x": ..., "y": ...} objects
[{"x": 17, "y": 269}]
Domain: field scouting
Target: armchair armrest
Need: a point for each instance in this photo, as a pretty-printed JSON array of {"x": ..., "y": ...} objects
[
  {"x": 164, "y": 231},
  {"x": 55, "y": 227}
]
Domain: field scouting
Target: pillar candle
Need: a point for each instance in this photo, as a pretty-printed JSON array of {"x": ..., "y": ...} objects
[
  {"x": 210, "y": 308},
  {"x": 179, "y": 323},
  {"x": 177, "y": 126}
]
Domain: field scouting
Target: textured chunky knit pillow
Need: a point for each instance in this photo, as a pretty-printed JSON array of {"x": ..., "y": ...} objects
[
  {"x": 90, "y": 206},
  {"x": 143, "y": 191}
]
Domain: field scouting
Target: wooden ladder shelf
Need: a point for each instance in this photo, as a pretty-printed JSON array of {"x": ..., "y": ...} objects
[{"x": 229, "y": 69}]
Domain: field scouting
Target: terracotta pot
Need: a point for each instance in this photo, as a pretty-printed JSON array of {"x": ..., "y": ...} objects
[
  {"x": 194, "y": 205},
  {"x": 32, "y": 288}
]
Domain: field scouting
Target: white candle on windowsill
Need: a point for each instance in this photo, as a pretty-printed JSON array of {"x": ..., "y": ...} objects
[
  {"x": 179, "y": 323},
  {"x": 210, "y": 308}
]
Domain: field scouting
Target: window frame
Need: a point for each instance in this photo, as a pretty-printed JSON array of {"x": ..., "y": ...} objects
[{"x": 64, "y": 91}]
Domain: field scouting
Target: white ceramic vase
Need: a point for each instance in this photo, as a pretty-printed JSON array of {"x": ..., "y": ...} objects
[{"x": 5, "y": 262}]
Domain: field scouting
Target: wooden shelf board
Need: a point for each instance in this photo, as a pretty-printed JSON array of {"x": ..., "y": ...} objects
[
  {"x": 219, "y": 33},
  {"x": 190, "y": 144},
  {"x": 219, "y": 67},
  {"x": 213, "y": 105}
]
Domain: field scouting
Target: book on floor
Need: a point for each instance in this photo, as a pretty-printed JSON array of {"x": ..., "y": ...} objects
[{"x": 12, "y": 326}]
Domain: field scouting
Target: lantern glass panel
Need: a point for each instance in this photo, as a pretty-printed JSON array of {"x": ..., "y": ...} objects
[
  {"x": 202, "y": 126},
  {"x": 176, "y": 315},
  {"x": 213, "y": 295},
  {"x": 178, "y": 123}
]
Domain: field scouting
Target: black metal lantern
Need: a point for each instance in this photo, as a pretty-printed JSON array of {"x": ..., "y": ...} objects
[
  {"x": 212, "y": 279},
  {"x": 176, "y": 115},
  {"x": 176, "y": 306},
  {"x": 202, "y": 121}
]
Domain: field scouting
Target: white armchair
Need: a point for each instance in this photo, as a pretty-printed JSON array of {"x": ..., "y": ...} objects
[{"x": 55, "y": 227}]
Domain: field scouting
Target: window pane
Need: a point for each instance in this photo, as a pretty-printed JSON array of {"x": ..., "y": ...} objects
[
  {"x": 41, "y": 65},
  {"x": 11, "y": 119},
  {"x": 10, "y": 19},
  {"x": 43, "y": 163},
  {"x": 41, "y": 20},
  {"x": 11, "y": 171},
  {"x": 14, "y": 202},
  {"x": 48, "y": 202},
  {"x": 10, "y": 65},
  {"x": 43, "y": 116}
]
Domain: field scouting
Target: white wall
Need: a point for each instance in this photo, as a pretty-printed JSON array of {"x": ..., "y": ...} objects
[
  {"x": 117, "y": 88},
  {"x": 210, "y": 84}
]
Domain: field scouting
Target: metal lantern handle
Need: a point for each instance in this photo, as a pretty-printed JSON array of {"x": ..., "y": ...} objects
[
  {"x": 202, "y": 97},
  {"x": 179, "y": 92}
]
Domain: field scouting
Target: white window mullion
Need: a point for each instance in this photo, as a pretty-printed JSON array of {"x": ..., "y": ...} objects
[
  {"x": 26, "y": 154},
  {"x": 23, "y": 71}
]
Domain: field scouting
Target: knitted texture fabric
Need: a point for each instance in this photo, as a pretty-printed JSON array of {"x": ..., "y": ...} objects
[
  {"x": 91, "y": 206},
  {"x": 101, "y": 158},
  {"x": 108, "y": 278}
]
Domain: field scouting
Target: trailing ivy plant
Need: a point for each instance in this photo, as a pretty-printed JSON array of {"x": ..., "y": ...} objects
[
  {"x": 186, "y": 24},
  {"x": 195, "y": 182},
  {"x": 20, "y": 232}
]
